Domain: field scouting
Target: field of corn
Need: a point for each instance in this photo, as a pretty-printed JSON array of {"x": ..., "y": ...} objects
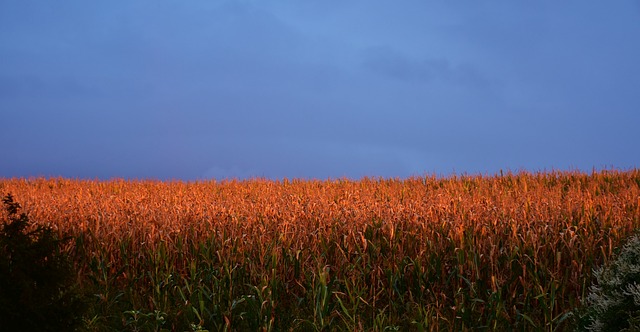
[{"x": 503, "y": 252}]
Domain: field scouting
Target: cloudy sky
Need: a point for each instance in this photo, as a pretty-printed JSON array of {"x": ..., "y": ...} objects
[{"x": 198, "y": 89}]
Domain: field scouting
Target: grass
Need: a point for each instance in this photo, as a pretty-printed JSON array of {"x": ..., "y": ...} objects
[{"x": 505, "y": 252}]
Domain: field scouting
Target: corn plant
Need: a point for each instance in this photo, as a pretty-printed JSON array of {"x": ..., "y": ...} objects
[{"x": 503, "y": 252}]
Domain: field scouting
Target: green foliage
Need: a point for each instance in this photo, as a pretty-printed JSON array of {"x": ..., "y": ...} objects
[
  {"x": 444, "y": 288},
  {"x": 613, "y": 302},
  {"x": 36, "y": 279}
]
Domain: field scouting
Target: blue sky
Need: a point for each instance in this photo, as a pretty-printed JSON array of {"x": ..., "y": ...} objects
[{"x": 316, "y": 89}]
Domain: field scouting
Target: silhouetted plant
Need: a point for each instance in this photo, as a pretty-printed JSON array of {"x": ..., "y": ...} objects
[{"x": 36, "y": 279}]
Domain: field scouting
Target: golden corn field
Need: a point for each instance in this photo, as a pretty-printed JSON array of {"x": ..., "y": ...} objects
[{"x": 510, "y": 251}]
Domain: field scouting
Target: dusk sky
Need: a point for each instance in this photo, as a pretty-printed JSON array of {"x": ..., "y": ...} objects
[{"x": 200, "y": 89}]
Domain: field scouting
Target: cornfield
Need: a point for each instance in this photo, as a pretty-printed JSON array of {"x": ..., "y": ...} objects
[{"x": 503, "y": 252}]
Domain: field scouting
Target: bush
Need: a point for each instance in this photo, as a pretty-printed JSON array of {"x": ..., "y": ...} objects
[
  {"x": 36, "y": 279},
  {"x": 613, "y": 302}
]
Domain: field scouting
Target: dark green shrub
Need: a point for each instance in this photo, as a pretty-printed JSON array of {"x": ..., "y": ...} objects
[
  {"x": 36, "y": 279},
  {"x": 613, "y": 302}
]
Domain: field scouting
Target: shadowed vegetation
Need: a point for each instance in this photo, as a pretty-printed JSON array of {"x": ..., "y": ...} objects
[{"x": 36, "y": 279}]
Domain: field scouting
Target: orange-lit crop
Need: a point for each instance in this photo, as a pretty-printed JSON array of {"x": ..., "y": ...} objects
[{"x": 425, "y": 251}]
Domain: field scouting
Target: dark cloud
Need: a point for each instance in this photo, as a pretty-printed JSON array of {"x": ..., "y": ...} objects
[{"x": 390, "y": 63}]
